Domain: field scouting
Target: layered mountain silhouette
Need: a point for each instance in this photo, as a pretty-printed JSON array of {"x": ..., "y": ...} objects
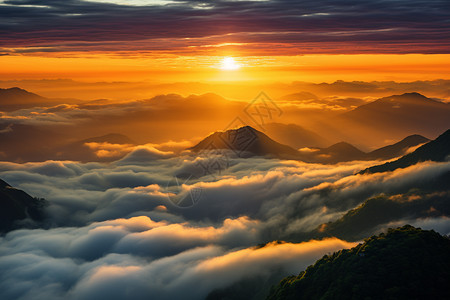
[
  {"x": 372, "y": 123},
  {"x": 399, "y": 148},
  {"x": 18, "y": 209},
  {"x": 338, "y": 152},
  {"x": 436, "y": 150},
  {"x": 295, "y": 135},
  {"x": 341, "y": 152},
  {"x": 392, "y": 117},
  {"x": 404, "y": 263},
  {"x": 247, "y": 141}
]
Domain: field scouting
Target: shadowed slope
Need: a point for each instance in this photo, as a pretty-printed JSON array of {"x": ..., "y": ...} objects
[
  {"x": 404, "y": 263},
  {"x": 436, "y": 150},
  {"x": 16, "y": 206}
]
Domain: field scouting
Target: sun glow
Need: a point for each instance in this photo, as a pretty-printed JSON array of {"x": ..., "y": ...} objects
[{"x": 228, "y": 63}]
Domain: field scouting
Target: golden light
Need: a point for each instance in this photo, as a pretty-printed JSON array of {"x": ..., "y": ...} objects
[{"x": 228, "y": 63}]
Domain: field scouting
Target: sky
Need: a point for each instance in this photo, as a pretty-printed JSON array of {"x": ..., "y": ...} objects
[{"x": 180, "y": 41}]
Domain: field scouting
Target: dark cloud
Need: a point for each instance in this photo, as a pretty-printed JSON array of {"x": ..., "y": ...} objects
[{"x": 298, "y": 27}]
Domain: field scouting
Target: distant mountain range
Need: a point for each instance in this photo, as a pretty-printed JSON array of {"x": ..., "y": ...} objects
[
  {"x": 295, "y": 135},
  {"x": 247, "y": 141},
  {"x": 436, "y": 150},
  {"x": 18, "y": 209},
  {"x": 428, "y": 199},
  {"x": 404, "y": 263},
  {"x": 16, "y": 98},
  {"x": 372, "y": 124},
  {"x": 392, "y": 117},
  {"x": 399, "y": 148}
]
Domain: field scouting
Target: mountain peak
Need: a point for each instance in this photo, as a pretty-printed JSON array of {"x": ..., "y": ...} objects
[
  {"x": 15, "y": 91},
  {"x": 245, "y": 141},
  {"x": 416, "y": 94},
  {"x": 16, "y": 98},
  {"x": 436, "y": 150},
  {"x": 412, "y": 97}
]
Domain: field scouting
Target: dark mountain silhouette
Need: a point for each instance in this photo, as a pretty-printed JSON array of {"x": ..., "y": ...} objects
[
  {"x": 404, "y": 263},
  {"x": 375, "y": 212},
  {"x": 244, "y": 142},
  {"x": 18, "y": 209},
  {"x": 399, "y": 148},
  {"x": 394, "y": 117},
  {"x": 339, "y": 152},
  {"x": 247, "y": 141},
  {"x": 15, "y": 98},
  {"x": 294, "y": 135},
  {"x": 15, "y": 95},
  {"x": 343, "y": 151},
  {"x": 436, "y": 150}
]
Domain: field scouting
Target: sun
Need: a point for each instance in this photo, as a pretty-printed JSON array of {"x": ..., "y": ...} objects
[{"x": 228, "y": 63}]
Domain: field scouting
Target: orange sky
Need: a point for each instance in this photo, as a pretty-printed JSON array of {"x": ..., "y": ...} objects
[{"x": 168, "y": 69}]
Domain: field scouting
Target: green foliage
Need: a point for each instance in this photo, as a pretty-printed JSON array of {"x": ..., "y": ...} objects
[
  {"x": 404, "y": 263},
  {"x": 17, "y": 206},
  {"x": 363, "y": 220}
]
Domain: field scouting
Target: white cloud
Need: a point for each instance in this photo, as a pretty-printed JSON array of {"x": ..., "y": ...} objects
[{"x": 114, "y": 232}]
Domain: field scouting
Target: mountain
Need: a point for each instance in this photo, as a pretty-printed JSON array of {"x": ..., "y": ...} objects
[
  {"x": 399, "y": 148},
  {"x": 339, "y": 152},
  {"x": 295, "y": 135},
  {"x": 378, "y": 211},
  {"x": 343, "y": 151},
  {"x": 436, "y": 150},
  {"x": 395, "y": 117},
  {"x": 404, "y": 263},
  {"x": 15, "y": 98},
  {"x": 16, "y": 207},
  {"x": 245, "y": 141}
]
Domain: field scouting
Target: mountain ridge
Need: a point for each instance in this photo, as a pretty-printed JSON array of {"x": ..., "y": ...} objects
[
  {"x": 247, "y": 141},
  {"x": 403, "y": 263},
  {"x": 435, "y": 150},
  {"x": 17, "y": 207}
]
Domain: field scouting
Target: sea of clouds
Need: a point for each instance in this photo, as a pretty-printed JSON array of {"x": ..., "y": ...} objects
[{"x": 161, "y": 225}]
